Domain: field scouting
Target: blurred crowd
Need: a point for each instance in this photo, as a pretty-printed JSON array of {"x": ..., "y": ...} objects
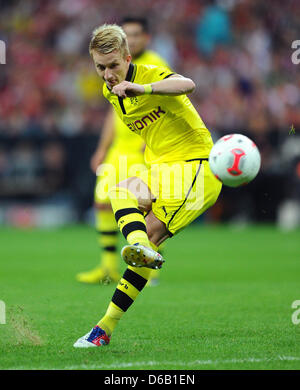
[
  {"x": 30, "y": 170},
  {"x": 237, "y": 51}
]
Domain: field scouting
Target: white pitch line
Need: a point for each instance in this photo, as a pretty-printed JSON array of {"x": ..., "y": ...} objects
[{"x": 163, "y": 363}]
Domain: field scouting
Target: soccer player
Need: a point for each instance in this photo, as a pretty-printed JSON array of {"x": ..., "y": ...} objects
[
  {"x": 179, "y": 185},
  {"x": 117, "y": 146}
]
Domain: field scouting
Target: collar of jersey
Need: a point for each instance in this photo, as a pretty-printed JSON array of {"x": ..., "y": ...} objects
[{"x": 130, "y": 74}]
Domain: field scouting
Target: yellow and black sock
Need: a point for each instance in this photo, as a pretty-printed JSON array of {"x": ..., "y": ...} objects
[
  {"x": 129, "y": 287},
  {"x": 129, "y": 218}
]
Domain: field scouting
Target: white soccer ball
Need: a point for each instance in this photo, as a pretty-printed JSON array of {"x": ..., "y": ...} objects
[{"x": 234, "y": 160}]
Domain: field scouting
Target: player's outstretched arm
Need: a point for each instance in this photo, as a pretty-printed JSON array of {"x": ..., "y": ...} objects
[{"x": 174, "y": 85}]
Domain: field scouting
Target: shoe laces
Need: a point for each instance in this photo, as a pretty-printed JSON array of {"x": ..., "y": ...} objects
[{"x": 95, "y": 333}]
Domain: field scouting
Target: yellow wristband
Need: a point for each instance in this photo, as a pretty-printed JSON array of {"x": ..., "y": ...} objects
[{"x": 148, "y": 89}]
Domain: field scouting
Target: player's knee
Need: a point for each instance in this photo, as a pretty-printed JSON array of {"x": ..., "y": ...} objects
[
  {"x": 122, "y": 184},
  {"x": 129, "y": 184},
  {"x": 153, "y": 236},
  {"x": 121, "y": 191},
  {"x": 157, "y": 237}
]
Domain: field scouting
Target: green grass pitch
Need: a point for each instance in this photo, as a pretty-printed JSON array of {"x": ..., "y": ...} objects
[{"x": 224, "y": 302}]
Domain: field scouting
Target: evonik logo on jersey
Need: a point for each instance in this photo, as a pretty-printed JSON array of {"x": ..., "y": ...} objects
[{"x": 146, "y": 120}]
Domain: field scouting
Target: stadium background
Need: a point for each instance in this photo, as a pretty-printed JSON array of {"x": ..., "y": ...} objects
[{"x": 51, "y": 111}]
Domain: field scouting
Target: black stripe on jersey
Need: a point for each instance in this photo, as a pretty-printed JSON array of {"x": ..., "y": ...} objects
[
  {"x": 171, "y": 74},
  {"x": 129, "y": 77},
  {"x": 122, "y": 105},
  {"x": 122, "y": 300},
  {"x": 129, "y": 210},
  {"x": 185, "y": 199},
  {"x": 131, "y": 72},
  {"x": 135, "y": 279},
  {"x": 134, "y": 73},
  {"x": 133, "y": 226}
]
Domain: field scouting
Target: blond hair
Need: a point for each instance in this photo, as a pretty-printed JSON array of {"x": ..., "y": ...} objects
[{"x": 107, "y": 38}]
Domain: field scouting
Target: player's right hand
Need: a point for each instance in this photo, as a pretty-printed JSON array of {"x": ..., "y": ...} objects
[{"x": 128, "y": 89}]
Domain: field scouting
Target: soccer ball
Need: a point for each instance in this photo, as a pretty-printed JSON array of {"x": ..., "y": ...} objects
[{"x": 234, "y": 160}]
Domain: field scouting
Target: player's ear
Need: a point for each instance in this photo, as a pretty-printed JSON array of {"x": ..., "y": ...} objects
[{"x": 128, "y": 58}]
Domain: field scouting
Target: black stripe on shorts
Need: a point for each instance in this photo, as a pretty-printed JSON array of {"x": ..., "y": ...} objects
[
  {"x": 197, "y": 159},
  {"x": 185, "y": 199}
]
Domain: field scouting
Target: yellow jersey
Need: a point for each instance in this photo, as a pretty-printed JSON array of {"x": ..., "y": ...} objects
[
  {"x": 169, "y": 125},
  {"x": 125, "y": 141}
]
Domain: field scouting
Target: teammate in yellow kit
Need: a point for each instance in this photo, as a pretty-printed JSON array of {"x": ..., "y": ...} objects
[
  {"x": 118, "y": 150},
  {"x": 179, "y": 185}
]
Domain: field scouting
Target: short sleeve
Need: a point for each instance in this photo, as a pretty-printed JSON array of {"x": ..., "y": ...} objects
[{"x": 156, "y": 73}]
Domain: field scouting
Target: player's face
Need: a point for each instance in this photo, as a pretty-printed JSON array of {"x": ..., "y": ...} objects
[
  {"x": 137, "y": 38},
  {"x": 112, "y": 67}
]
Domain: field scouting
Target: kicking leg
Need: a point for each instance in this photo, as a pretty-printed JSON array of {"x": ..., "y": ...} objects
[{"x": 133, "y": 280}]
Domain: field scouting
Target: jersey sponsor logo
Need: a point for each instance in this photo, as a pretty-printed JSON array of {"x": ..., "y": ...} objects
[{"x": 146, "y": 120}]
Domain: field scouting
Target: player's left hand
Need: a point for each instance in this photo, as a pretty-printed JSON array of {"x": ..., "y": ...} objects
[{"x": 128, "y": 89}]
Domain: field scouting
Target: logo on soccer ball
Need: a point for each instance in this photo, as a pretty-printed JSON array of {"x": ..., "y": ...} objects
[{"x": 238, "y": 154}]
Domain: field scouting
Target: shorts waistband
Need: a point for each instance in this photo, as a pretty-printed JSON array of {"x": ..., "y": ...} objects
[{"x": 197, "y": 159}]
